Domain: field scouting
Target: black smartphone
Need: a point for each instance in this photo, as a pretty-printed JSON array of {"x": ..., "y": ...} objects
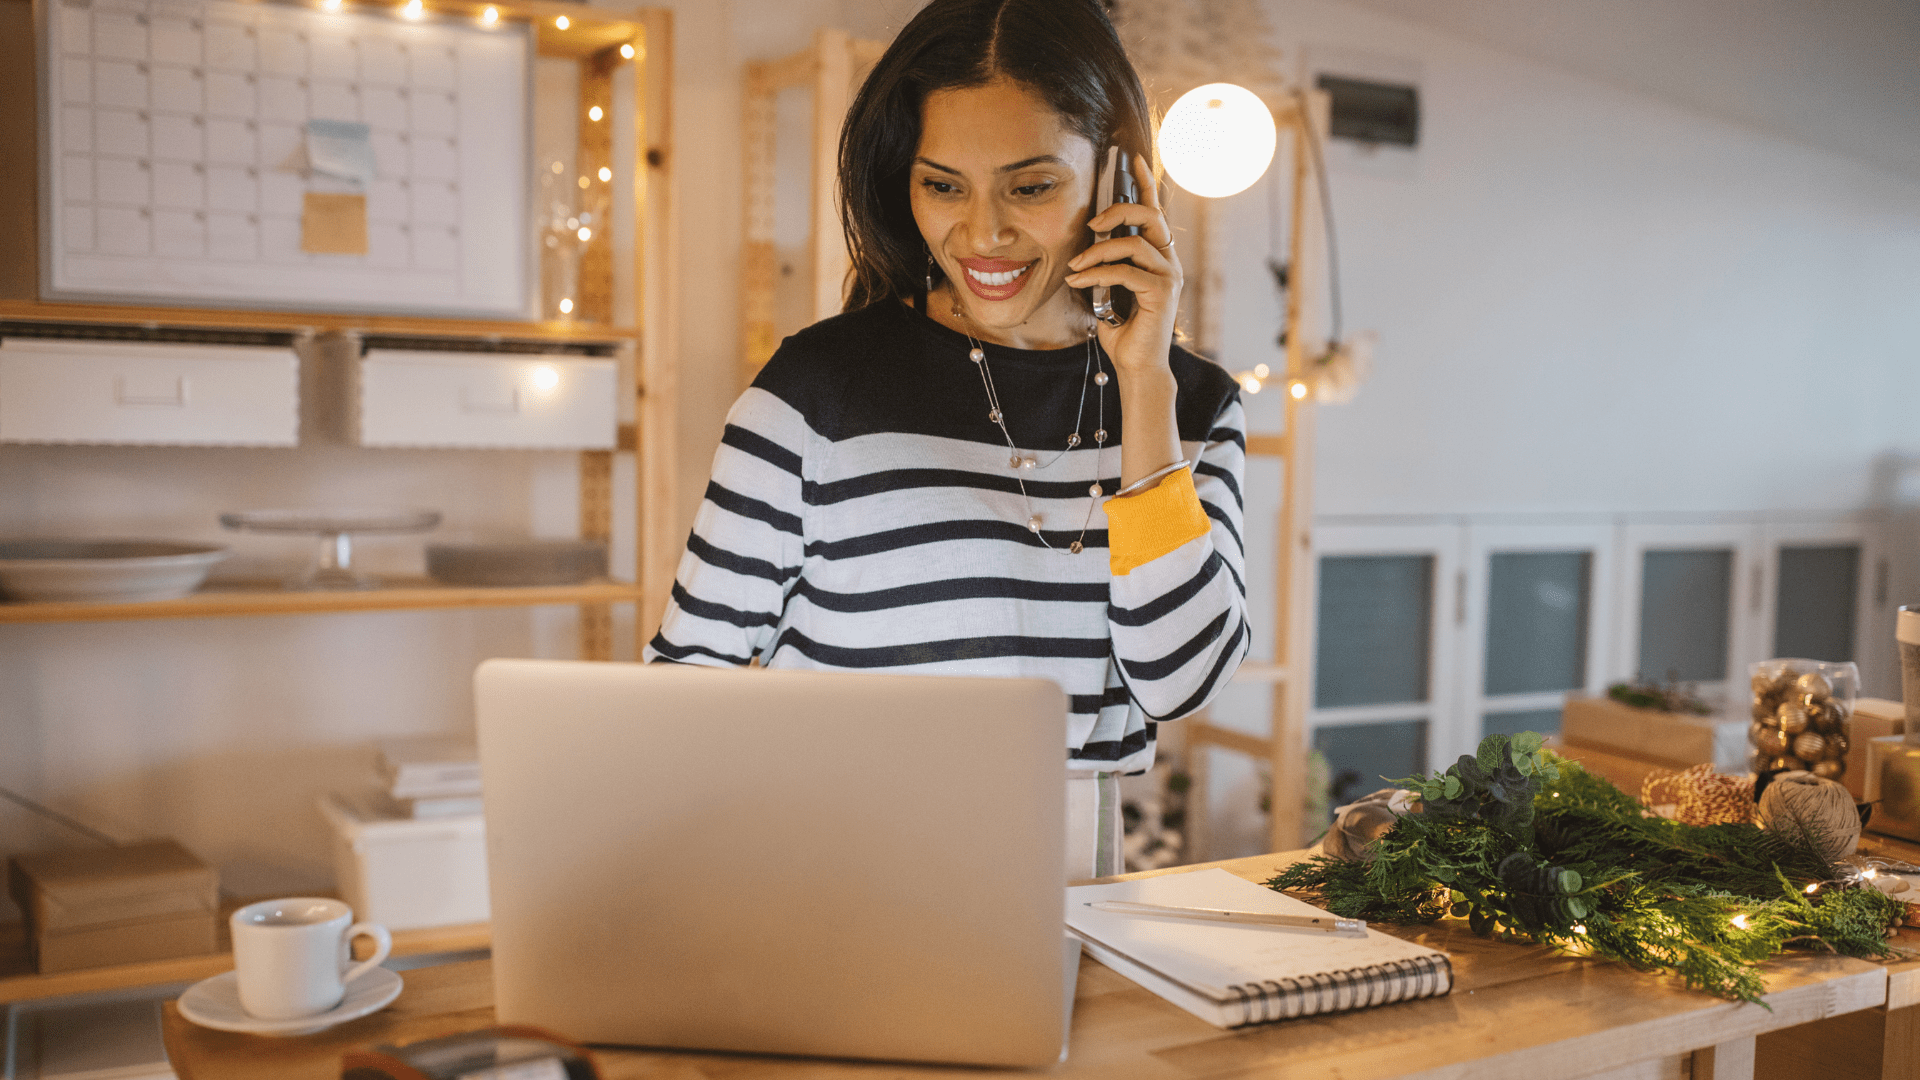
[{"x": 1112, "y": 305}]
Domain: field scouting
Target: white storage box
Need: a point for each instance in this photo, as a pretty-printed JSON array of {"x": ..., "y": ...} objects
[
  {"x": 148, "y": 393},
  {"x": 406, "y": 873},
  {"x": 479, "y": 400}
]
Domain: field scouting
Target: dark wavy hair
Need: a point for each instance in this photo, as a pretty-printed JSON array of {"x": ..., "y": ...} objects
[{"x": 1063, "y": 50}]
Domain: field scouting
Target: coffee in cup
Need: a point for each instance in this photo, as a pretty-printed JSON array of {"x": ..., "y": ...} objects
[{"x": 292, "y": 957}]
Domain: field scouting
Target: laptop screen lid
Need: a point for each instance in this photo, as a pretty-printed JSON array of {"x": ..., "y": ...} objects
[{"x": 789, "y": 862}]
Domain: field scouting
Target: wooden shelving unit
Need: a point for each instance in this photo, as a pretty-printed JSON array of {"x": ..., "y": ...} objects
[
  {"x": 229, "y": 600},
  {"x": 638, "y": 323}
]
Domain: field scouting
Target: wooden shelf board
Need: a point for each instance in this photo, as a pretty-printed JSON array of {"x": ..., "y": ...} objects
[
  {"x": 230, "y": 599},
  {"x": 125, "y": 315},
  {"x": 19, "y": 982}
]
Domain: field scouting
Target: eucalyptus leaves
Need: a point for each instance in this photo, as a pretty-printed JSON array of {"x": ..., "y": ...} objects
[{"x": 1529, "y": 847}]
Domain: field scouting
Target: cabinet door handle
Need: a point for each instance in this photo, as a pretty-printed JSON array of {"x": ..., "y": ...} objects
[
  {"x": 149, "y": 392},
  {"x": 494, "y": 404}
]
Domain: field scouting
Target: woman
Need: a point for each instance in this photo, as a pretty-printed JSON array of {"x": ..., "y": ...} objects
[{"x": 926, "y": 482}]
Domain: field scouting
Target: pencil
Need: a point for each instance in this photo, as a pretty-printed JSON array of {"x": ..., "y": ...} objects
[{"x": 1332, "y": 924}]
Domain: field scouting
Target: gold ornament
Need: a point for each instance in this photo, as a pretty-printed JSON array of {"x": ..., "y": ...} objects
[
  {"x": 1810, "y": 746},
  {"x": 1786, "y": 763},
  {"x": 1813, "y": 683},
  {"x": 1830, "y": 770},
  {"x": 1770, "y": 742},
  {"x": 1837, "y": 745},
  {"x": 1793, "y": 718}
]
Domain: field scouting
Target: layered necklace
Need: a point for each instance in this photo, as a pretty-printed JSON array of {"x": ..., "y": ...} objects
[{"x": 1094, "y": 372}]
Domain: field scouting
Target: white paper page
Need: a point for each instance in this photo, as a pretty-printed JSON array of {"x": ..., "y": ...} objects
[{"x": 1212, "y": 956}]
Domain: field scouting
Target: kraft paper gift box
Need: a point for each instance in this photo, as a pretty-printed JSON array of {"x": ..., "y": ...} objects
[{"x": 91, "y": 908}]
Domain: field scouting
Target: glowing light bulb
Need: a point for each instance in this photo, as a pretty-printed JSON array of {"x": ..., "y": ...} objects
[
  {"x": 414, "y": 9},
  {"x": 490, "y": 16},
  {"x": 1813, "y": 888},
  {"x": 1870, "y": 873},
  {"x": 562, "y": 23},
  {"x": 1298, "y": 390},
  {"x": 1579, "y": 928},
  {"x": 558, "y": 168},
  {"x": 1250, "y": 383},
  {"x": 1261, "y": 371},
  {"x": 584, "y": 182},
  {"x": 595, "y": 113},
  {"x": 626, "y": 52},
  {"x": 566, "y": 306},
  {"x": 585, "y": 234},
  {"x": 1739, "y": 922},
  {"x": 330, "y": 5},
  {"x": 1217, "y": 140},
  {"x": 606, "y": 174},
  {"x": 544, "y": 377}
]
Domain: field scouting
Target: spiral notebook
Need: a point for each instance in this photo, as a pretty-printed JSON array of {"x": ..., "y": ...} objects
[{"x": 1235, "y": 974}]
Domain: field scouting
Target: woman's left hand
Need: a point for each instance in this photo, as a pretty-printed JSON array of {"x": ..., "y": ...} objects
[{"x": 1141, "y": 344}]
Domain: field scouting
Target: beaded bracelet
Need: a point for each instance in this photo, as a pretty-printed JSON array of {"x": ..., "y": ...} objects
[{"x": 1145, "y": 481}]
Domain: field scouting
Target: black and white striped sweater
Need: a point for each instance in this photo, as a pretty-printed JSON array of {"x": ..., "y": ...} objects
[{"x": 862, "y": 516}]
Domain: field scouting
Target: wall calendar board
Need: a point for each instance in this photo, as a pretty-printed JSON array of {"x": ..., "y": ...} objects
[{"x": 192, "y": 154}]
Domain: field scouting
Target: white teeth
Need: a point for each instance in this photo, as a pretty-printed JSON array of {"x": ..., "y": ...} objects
[{"x": 995, "y": 279}]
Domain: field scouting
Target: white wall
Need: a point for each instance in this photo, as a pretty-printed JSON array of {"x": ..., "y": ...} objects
[{"x": 1591, "y": 300}]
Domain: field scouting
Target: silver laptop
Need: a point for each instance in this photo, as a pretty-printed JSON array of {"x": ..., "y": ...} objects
[{"x": 777, "y": 861}]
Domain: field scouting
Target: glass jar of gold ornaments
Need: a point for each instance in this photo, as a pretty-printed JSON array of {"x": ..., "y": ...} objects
[{"x": 1800, "y": 711}]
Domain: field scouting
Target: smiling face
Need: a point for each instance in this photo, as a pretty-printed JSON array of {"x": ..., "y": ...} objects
[{"x": 1000, "y": 190}]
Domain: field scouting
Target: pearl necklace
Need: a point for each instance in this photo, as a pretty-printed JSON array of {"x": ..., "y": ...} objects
[{"x": 1018, "y": 461}]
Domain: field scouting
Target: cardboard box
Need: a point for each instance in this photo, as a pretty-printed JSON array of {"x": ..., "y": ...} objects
[
  {"x": 1873, "y": 718},
  {"x": 1628, "y": 774},
  {"x": 121, "y": 905},
  {"x": 1667, "y": 740}
]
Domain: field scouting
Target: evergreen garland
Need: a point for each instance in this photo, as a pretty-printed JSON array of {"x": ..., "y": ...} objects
[{"x": 1528, "y": 846}]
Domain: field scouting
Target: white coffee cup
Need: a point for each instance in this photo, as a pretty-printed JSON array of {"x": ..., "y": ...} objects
[{"x": 291, "y": 956}]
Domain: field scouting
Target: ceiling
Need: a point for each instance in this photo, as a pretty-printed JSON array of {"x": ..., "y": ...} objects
[{"x": 1841, "y": 75}]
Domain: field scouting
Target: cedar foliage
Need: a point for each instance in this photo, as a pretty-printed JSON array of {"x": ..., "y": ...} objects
[{"x": 1531, "y": 847}]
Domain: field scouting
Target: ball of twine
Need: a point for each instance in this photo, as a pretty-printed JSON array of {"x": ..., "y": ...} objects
[{"x": 1820, "y": 809}]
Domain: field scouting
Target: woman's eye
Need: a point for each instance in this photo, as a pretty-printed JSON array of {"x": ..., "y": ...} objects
[
  {"x": 938, "y": 187},
  {"x": 1028, "y": 191}
]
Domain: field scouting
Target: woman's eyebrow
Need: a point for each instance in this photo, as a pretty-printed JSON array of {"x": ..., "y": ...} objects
[{"x": 1043, "y": 159}]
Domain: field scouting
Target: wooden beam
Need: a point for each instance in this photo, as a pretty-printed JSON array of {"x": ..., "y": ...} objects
[
  {"x": 1205, "y": 734},
  {"x": 20, "y": 166},
  {"x": 832, "y": 92},
  {"x": 657, "y": 255}
]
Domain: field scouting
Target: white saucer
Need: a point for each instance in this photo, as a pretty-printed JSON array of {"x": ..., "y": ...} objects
[{"x": 215, "y": 1003}]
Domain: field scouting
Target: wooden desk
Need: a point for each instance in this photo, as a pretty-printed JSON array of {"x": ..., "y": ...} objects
[{"x": 1517, "y": 1012}]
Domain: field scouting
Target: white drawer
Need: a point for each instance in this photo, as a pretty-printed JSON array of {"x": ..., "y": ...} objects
[
  {"x": 503, "y": 400},
  {"x": 60, "y": 391}
]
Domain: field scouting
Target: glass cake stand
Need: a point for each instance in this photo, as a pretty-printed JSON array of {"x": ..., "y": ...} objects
[{"x": 333, "y": 563}]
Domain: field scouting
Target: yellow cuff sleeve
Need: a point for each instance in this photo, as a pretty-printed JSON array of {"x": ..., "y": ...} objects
[{"x": 1143, "y": 527}]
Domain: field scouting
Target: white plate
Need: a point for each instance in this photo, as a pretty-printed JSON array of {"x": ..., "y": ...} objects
[
  {"x": 103, "y": 571},
  {"x": 215, "y": 1003}
]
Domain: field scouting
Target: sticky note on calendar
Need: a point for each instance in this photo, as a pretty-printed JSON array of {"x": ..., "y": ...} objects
[
  {"x": 340, "y": 149},
  {"x": 333, "y": 223}
]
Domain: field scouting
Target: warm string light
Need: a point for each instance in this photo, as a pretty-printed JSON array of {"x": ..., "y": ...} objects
[
  {"x": 606, "y": 174},
  {"x": 544, "y": 377},
  {"x": 1740, "y": 922},
  {"x": 414, "y": 9},
  {"x": 585, "y": 234},
  {"x": 490, "y": 16},
  {"x": 595, "y": 114},
  {"x": 626, "y": 52},
  {"x": 1298, "y": 390},
  {"x": 562, "y": 23},
  {"x": 566, "y": 306},
  {"x": 330, "y": 5}
]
